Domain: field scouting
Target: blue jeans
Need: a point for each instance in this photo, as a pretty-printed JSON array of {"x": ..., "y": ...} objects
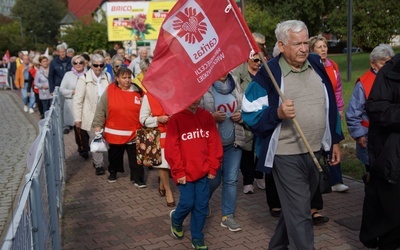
[
  {"x": 194, "y": 197},
  {"x": 46, "y": 104},
  {"x": 28, "y": 100},
  {"x": 228, "y": 173}
]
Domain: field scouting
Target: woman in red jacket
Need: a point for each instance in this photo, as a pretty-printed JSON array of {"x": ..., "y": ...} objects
[{"x": 117, "y": 114}]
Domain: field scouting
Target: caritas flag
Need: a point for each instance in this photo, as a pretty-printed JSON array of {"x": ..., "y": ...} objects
[{"x": 199, "y": 41}]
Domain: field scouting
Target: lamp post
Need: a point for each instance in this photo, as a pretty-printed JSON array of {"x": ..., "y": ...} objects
[
  {"x": 349, "y": 36},
  {"x": 20, "y": 23},
  {"x": 31, "y": 31}
]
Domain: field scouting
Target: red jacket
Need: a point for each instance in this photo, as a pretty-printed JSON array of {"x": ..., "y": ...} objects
[{"x": 193, "y": 147}]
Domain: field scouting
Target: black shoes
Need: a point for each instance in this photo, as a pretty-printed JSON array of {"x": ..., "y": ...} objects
[
  {"x": 100, "y": 171},
  {"x": 275, "y": 212},
  {"x": 84, "y": 154},
  {"x": 113, "y": 177},
  {"x": 140, "y": 184},
  {"x": 317, "y": 220}
]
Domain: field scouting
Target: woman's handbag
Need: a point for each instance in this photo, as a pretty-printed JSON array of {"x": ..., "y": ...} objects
[
  {"x": 325, "y": 177},
  {"x": 148, "y": 149}
]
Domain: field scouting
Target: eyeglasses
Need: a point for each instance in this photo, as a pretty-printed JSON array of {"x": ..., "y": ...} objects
[
  {"x": 80, "y": 62},
  {"x": 98, "y": 65},
  {"x": 117, "y": 66},
  {"x": 256, "y": 60}
]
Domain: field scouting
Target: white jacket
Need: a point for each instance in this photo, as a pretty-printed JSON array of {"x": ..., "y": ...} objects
[{"x": 86, "y": 98}]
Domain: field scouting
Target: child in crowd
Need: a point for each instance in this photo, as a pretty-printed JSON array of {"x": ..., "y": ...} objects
[{"x": 193, "y": 150}]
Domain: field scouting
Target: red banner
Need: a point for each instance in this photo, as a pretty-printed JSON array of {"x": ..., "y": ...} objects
[{"x": 199, "y": 41}]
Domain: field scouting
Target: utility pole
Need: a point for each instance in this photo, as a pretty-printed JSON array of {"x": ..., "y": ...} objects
[{"x": 349, "y": 36}]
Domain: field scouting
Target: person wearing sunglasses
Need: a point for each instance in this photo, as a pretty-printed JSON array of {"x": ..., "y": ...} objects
[
  {"x": 67, "y": 89},
  {"x": 89, "y": 89}
]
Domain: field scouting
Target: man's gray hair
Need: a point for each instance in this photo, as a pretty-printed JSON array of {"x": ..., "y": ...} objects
[
  {"x": 61, "y": 47},
  {"x": 70, "y": 50},
  {"x": 283, "y": 28},
  {"x": 276, "y": 51},
  {"x": 96, "y": 58},
  {"x": 381, "y": 52},
  {"x": 142, "y": 49}
]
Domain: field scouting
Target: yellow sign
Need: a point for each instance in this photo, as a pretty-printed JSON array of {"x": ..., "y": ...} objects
[{"x": 136, "y": 20}]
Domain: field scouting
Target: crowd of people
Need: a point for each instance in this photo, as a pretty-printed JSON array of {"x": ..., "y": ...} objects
[{"x": 247, "y": 126}]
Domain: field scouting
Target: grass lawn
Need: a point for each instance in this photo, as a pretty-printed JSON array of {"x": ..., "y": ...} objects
[{"x": 351, "y": 166}]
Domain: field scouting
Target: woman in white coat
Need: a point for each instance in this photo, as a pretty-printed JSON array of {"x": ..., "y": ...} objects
[
  {"x": 88, "y": 91},
  {"x": 67, "y": 89}
]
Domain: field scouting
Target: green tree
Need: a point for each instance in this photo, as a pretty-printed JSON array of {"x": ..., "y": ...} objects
[
  {"x": 311, "y": 12},
  {"x": 87, "y": 37},
  {"x": 11, "y": 38},
  {"x": 40, "y": 19},
  {"x": 374, "y": 22},
  {"x": 261, "y": 21}
]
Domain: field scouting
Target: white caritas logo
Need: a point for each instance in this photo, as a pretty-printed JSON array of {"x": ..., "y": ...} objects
[{"x": 192, "y": 28}]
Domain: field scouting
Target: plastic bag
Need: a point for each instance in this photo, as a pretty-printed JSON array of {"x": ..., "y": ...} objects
[{"x": 98, "y": 145}]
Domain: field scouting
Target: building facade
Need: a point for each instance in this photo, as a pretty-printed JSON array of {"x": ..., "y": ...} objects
[{"x": 6, "y": 6}]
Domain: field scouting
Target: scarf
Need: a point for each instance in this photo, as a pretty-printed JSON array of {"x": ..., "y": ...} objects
[
  {"x": 226, "y": 87},
  {"x": 100, "y": 88},
  {"x": 78, "y": 74}
]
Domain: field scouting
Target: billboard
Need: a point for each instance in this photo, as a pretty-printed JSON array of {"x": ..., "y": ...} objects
[{"x": 136, "y": 20}]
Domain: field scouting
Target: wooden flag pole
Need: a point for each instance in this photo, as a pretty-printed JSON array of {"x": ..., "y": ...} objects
[{"x": 296, "y": 124}]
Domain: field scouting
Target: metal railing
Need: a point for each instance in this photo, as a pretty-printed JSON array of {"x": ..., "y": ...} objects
[{"x": 35, "y": 223}]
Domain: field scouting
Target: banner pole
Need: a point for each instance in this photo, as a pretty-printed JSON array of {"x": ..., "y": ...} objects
[{"x": 296, "y": 124}]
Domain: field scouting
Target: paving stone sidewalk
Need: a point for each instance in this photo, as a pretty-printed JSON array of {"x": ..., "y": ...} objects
[
  {"x": 102, "y": 215},
  {"x": 16, "y": 136}
]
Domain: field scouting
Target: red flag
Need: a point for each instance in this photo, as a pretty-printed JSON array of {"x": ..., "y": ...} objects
[
  {"x": 199, "y": 41},
  {"x": 7, "y": 56}
]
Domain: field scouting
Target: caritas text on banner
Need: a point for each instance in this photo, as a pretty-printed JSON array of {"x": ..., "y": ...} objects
[{"x": 199, "y": 42}]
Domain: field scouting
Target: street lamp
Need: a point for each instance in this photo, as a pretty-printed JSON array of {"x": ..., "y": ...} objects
[
  {"x": 31, "y": 31},
  {"x": 20, "y": 23}
]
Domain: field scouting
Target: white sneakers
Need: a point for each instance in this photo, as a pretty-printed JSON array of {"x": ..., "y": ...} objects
[
  {"x": 260, "y": 183},
  {"x": 27, "y": 109},
  {"x": 340, "y": 188},
  {"x": 248, "y": 189}
]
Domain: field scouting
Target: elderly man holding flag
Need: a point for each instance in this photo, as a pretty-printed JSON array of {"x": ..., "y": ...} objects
[{"x": 310, "y": 99}]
